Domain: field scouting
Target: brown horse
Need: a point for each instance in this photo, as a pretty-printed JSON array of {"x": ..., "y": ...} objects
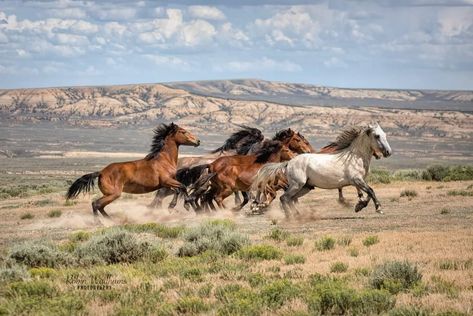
[
  {"x": 156, "y": 170},
  {"x": 240, "y": 170},
  {"x": 235, "y": 173}
]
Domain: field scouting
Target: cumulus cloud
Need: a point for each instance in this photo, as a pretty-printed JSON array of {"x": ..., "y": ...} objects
[
  {"x": 264, "y": 63},
  {"x": 206, "y": 12}
]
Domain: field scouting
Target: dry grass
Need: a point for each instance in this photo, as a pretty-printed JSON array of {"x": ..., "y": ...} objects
[{"x": 439, "y": 243}]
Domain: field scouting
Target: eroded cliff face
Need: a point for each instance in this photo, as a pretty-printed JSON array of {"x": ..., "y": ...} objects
[{"x": 150, "y": 103}]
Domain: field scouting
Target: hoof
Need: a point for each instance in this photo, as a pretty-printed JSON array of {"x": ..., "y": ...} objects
[
  {"x": 379, "y": 211},
  {"x": 359, "y": 207}
]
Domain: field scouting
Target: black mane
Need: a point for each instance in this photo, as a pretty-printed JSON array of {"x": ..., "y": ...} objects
[
  {"x": 269, "y": 147},
  {"x": 160, "y": 134},
  {"x": 242, "y": 140},
  {"x": 283, "y": 134}
]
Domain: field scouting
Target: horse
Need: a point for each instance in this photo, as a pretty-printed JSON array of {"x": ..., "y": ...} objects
[
  {"x": 347, "y": 165},
  {"x": 156, "y": 170},
  {"x": 292, "y": 142},
  {"x": 238, "y": 143},
  {"x": 235, "y": 173}
]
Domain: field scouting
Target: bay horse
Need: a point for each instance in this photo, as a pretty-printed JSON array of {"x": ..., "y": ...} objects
[
  {"x": 238, "y": 143},
  {"x": 156, "y": 170},
  {"x": 347, "y": 165},
  {"x": 242, "y": 170}
]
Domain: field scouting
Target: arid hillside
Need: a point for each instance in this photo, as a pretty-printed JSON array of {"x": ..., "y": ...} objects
[{"x": 146, "y": 104}]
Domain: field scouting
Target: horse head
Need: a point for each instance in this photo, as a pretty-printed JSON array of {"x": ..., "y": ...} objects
[
  {"x": 184, "y": 137},
  {"x": 378, "y": 142}
]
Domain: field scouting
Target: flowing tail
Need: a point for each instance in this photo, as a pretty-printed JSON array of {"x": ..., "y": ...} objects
[{"x": 83, "y": 184}]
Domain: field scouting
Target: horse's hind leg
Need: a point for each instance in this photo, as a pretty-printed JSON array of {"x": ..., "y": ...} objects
[
  {"x": 246, "y": 198},
  {"x": 104, "y": 201},
  {"x": 237, "y": 198},
  {"x": 287, "y": 199},
  {"x": 161, "y": 194}
]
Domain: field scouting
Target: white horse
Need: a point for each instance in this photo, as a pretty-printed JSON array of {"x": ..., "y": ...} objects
[{"x": 347, "y": 165}]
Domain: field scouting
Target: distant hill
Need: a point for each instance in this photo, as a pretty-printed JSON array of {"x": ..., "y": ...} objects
[
  {"x": 214, "y": 106},
  {"x": 305, "y": 94}
]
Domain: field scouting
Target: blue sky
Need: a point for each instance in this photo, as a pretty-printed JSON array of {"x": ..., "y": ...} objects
[{"x": 417, "y": 44}]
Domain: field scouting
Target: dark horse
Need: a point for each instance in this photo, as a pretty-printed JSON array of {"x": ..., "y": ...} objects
[
  {"x": 235, "y": 173},
  {"x": 238, "y": 143},
  {"x": 156, "y": 170}
]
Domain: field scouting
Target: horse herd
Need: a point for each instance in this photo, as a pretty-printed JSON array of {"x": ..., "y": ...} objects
[{"x": 246, "y": 163}]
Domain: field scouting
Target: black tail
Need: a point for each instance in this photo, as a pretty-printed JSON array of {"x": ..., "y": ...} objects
[{"x": 83, "y": 184}]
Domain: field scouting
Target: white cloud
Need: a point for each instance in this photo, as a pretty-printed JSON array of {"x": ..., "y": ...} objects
[
  {"x": 288, "y": 27},
  {"x": 114, "y": 29},
  {"x": 107, "y": 13},
  {"x": 166, "y": 60},
  {"x": 264, "y": 63},
  {"x": 456, "y": 21},
  {"x": 75, "y": 13},
  {"x": 206, "y": 12},
  {"x": 3, "y": 38},
  {"x": 197, "y": 32}
]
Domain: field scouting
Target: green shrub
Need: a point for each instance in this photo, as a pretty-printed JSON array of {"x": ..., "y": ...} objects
[
  {"x": 338, "y": 267},
  {"x": 344, "y": 240},
  {"x": 55, "y": 213},
  {"x": 409, "y": 193},
  {"x": 260, "y": 252},
  {"x": 156, "y": 253},
  {"x": 451, "y": 264},
  {"x": 325, "y": 243},
  {"x": 13, "y": 272},
  {"x": 409, "y": 311},
  {"x": 460, "y": 193},
  {"x": 408, "y": 175},
  {"x": 112, "y": 246},
  {"x": 194, "y": 274},
  {"x": 294, "y": 259},
  {"x": 80, "y": 236},
  {"x": 279, "y": 292},
  {"x": 353, "y": 252},
  {"x": 443, "y": 286},
  {"x": 238, "y": 300},
  {"x": 37, "y": 254},
  {"x": 370, "y": 240},
  {"x": 37, "y": 288},
  {"x": 395, "y": 276},
  {"x": 256, "y": 279},
  {"x": 329, "y": 296},
  {"x": 373, "y": 302},
  {"x": 27, "y": 215},
  {"x": 278, "y": 234},
  {"x": 294, "y": 241},
  {"x": 379, "y": 176},
  {"x": 191, "y": 305},
  {"x": 219, "y": 236},
  {"x": 159, "y": 230},
  {"x": 445, "y": 173},
  {"x": 42, "y": 273}
]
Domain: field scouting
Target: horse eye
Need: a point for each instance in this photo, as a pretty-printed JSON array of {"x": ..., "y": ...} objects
[{"x": 376, "y": 136}]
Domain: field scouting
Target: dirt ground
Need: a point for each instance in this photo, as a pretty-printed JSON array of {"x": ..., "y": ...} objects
[
  {"x": 321, "y": 213},
  {"x": 427, "y": 229}
]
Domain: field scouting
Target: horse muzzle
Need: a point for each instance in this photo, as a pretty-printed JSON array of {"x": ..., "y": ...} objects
[{"x": 197, "y": 143}]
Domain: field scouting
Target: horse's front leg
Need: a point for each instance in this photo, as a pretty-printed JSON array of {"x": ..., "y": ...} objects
[
  {"x": 362, "y": 186},
  {"x": 178, "y": 188}
]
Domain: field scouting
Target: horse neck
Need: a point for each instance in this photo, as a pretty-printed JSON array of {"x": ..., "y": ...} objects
[
  {"x": 170, "y": 150},
  {"x": 360, "y": 148}
]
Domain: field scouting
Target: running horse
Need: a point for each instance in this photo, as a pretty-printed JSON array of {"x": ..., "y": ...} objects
[
  {"x": 188, "y": 172},
  {"x": 235, "y": 173},
  {"x": 156, "y": 170},
  {"x": 348, "y": 164}
]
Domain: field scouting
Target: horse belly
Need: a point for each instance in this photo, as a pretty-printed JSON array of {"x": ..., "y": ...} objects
[
  {"x": 326, "y": 175},
  {"x": 138, "y": 188}
]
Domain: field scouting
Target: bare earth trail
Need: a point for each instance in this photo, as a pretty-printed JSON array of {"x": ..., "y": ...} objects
[{"x": 321, "y": 213}]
